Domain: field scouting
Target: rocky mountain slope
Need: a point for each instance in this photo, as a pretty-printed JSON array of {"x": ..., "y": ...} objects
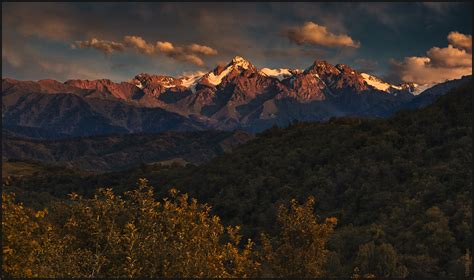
[
  {"x": 69, "y": 112},
  {"x": 234, "y": 96}
]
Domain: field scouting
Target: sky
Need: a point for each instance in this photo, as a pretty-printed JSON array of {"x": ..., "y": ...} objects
[{"x": 422, "y": 42}]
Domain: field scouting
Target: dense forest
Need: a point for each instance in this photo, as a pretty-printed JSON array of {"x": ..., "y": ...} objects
[
  {"x": 400, "y": 190},
  {"x": 118, "y": 152}
]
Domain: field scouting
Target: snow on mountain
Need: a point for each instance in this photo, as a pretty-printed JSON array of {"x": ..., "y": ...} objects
[
  {"x": 144, "y": 80},
  {"x": 191, "y": 81},
  {"x": 280, "y": 74},
  {"x": 239, "y": 64},
  {"x": 240, "y": 61},
  {"x": 236, "y": 63},
  {"x": 217, "y": 79},
  {"x": 138, "y": 84},
  {"x": 420, "y": 88},
  {"x": 168, "y": 82},
  {"x": 377, "y": 83}
]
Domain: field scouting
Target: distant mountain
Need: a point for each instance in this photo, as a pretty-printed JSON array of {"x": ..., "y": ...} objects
[
  {"x": 431, "y": 94},
  {"x": 70, "y": 112},
  {"x": 234, "y": 96},
  {"x": 119, "y": 152}
]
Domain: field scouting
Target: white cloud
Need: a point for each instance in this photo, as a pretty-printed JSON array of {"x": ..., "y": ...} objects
[
  {"x": 188, "y": 57},
  {"x": 439, "y": 64},
  {"x": 205, "y": 50},
  {"x": 449, "y": 57},
  {"x": 139, "y": 44},
  {"x": 314, "y": 34},
  {"x": 165, "y": 47},
  {"x": 460, "y": 41},
  {"x": 107, "y": 47},
  {"x": 186, "y": 54}
]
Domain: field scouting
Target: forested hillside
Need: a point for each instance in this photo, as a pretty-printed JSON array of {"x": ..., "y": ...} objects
[
  {"x": 403, "y": 184},
  {"x": 118, "y": 152},
  {"x": 399, "y": 188}
]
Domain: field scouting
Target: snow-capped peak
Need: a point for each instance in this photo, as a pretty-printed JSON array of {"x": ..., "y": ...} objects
[
  {"x": 240, "y": 61},
  {"x": 237, "y": 63},
  {"x": 280, "y": 73},
  {"x": 377, "y": 83},
  {"x": 383, "y": 86}
]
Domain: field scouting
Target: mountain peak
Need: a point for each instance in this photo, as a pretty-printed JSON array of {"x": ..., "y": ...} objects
[
  {"x": 240, "y": 61},
  {"x": 237, "y": 65},
  {"x": 322, "y": 66},
  {"x": 321, "y": 63},
  {"x": 344, "y": 68}
]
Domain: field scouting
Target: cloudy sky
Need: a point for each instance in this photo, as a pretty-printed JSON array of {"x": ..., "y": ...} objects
[{"x": 414, "y": 42}]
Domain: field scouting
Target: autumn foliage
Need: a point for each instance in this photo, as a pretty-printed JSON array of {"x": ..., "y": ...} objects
[{"x": 139, "y": 236}]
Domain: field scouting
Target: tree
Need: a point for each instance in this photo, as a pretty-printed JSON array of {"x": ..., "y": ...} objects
[
  {"x": 380, "y": 261},
  {"x": 133, "y": 236},
  {"x": 300, "y": 248},
  {"x": 26, "y": 242}
]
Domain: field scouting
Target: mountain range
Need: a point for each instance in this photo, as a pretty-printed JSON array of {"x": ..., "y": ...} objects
[{"x": 234, "y": 96}]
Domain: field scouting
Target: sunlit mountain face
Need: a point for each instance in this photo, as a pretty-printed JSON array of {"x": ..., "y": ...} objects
[{"x": 236, "y": 95}]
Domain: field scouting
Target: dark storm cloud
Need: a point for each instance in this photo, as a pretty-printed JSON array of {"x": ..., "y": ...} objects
[{"x": 188, "y": 37}]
